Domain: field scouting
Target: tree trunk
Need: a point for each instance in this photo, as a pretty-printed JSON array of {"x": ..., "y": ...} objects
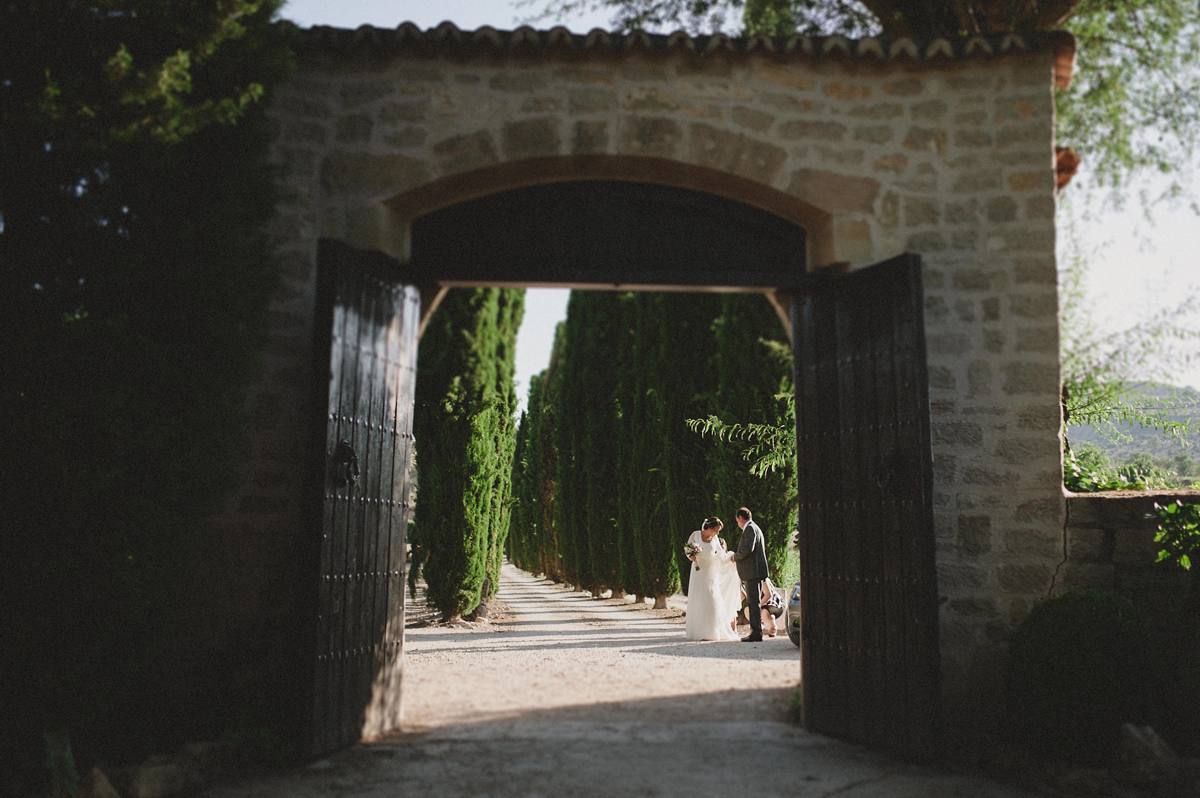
[
  {"x": 596, "y": 592},
  {"x": 640, "y": 599},
  {"x": 660, "y": 601},
  {"x": 618, "y": 593}
]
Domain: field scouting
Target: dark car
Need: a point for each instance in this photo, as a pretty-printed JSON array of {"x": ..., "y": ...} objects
[{"x": 791, "y": 616}]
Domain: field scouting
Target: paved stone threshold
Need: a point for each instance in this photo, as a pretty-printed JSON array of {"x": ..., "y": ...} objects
[{"x": 573, "y": 696}]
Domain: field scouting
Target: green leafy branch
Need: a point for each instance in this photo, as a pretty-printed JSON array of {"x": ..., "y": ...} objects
[
  {"x": 770, "y": 446},
  {"x": 1178, "y": 532}
]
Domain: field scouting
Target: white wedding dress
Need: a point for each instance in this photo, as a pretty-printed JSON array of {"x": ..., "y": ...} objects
[{"x": 714, "y": 592}]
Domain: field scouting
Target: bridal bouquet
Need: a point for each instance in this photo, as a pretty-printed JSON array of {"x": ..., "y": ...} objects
[{"x": 691, "y": 550}]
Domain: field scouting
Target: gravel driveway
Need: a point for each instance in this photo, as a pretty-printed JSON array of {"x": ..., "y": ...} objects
[{"x": 564, "y": 695}]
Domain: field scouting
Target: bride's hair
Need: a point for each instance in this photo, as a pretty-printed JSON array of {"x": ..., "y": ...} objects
[{"x": 711, "y": 522}]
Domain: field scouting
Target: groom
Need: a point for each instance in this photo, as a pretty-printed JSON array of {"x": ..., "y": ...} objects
[{"x": 751, "y": 559}]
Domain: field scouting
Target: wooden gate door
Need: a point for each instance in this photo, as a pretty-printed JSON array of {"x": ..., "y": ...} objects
[
  {"x": 869, "y": 641},
  {"x": 372, "y": 321}
]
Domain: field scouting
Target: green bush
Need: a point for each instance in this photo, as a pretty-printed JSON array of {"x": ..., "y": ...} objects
[{"x": 1079, "y": 666}]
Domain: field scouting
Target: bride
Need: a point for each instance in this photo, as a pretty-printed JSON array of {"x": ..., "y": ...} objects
[{"x": 713, "y": 590}]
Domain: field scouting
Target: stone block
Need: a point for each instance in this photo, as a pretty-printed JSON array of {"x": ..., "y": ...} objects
[
  {"x": 1001, "y": 209},
  {"x": 1048, "y": 510},
  {"x": 1038, "y": 339},
  {"x": 954, "y": 344},
  {"x": 1041, "y": 180},
  {"x": 957, "y": 433},
  {"x": 926, "y": 242},
  {"x": 979, "y": 378},
  {"x": 974, "y": 535},
  {"x": 975, "y": 607},
  {"x": 466, "y": 151},
  {"x": 955, "y": 575},
  {"x": 1047, "y": 417},
  {"x": 650, "y": 136},
  {"x": 853, "y": 240},
  {"x": 1024, "y": 377},
  {"x": 354, "y": 128},
  {"x": 528, "y": 80},
  {"x": 976, "y": 116},
  {"x": 891, "y": 163},
  {"x": 1024, "y": 578},
  {"x": 972, "y": 138},
  {"x": 876, "y": 111},
  {"x": 903, "y": 87},
  {"x": 923, "y": 139},
  {"x": 1034, "y": 306},
  {"x": 541, "y": 105},
  {"x": 840, "y": 156},
  {"x": 993, "y": 341},
  {"x": 991, "y": 308},
  {"x": 1035, "y": 271},
  {"x": 649, "y": 101},
  {"x": 977, "y": 181},
  {"x": 590, "y": 137},
  {"x": 788, "y": 77},
  {"x": 751, "y": 119},
  {"x": 1029, "y": 135},
  {"x": 831, "y": 191},
  {"x": 966, "y": 212},
  {"x": 735, "y": 152},
  {"x": 1014, "y": 109},
  {"x": 362, "y": 92},
  {"x": 1090, "y": 544},
  {"x": 406, "y": 137},
  {"x": 304, "y": 133},
  {"x": 367, "y": 173},
  {"x": 531, "y": 138},
  {"x": 964, "y": 240},
  {"x": 929, "y": 110},
  {"x": 804, "y": 130},
  {"x": 987, "y": 477},
  {"x": 941, "y": 378},
  {"x": 971, "y": 278},
  {"x": 393, "y": 113},
  {"x": 591, "y": 101},
  {"x": 873, "y": 134},
  {"x": 1039, "y": 208},
  {"x": 945, "y": 467},
  {"x": 889, "y": 211},
  {"x": 921, "y": 211},
  {"x": 1021, "y": 451},
  {"x": 839, "y": 90},
  {"x": 1045, "y": 543}
]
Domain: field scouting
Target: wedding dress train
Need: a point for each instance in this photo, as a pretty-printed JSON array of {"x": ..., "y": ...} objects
[{"x": 714, "y": 596}]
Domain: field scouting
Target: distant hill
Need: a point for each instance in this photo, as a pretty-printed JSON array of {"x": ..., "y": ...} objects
[{"x": 1136, "y": 439}]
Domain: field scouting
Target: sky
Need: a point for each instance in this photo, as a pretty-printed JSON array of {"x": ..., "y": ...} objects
[{"x": 1136, "y": 267}]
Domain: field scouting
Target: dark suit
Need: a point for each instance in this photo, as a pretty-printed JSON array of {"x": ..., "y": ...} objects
[{"x": 751, "y": 559}]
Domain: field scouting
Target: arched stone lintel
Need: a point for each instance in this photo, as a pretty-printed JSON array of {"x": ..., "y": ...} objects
[{"x": 452, "y": 189}]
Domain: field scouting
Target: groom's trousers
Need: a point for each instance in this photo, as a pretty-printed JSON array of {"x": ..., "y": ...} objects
[{"x": 754, "y": 606}]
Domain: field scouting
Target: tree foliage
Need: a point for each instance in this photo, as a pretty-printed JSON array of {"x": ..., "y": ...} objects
[
  {"x": 466, "y": 437},
  {"x": 135, "y": 279}
]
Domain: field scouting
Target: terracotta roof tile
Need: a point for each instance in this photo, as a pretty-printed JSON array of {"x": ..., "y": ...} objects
[{"x": 408, "y": 37}]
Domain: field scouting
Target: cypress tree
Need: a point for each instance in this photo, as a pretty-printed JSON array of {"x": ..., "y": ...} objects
[
  {"x": 748, "y": 381},
  {"x": 465, "y": 440},
  {"x": 644, "y": 484},
  {"x": 685, "y": 368},
  {"x": 571, "y": 497}
]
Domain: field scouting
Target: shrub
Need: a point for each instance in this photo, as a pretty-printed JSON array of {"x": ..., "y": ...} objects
[{"x": 1077, "y": 670}]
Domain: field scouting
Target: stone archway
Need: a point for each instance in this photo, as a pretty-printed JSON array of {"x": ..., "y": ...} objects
[{"x": 942, "y": 148}]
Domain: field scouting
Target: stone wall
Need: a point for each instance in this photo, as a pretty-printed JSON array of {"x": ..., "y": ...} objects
[
  {"x": 949, "y": 156},
  {"x": 1110, "y": 545}
]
